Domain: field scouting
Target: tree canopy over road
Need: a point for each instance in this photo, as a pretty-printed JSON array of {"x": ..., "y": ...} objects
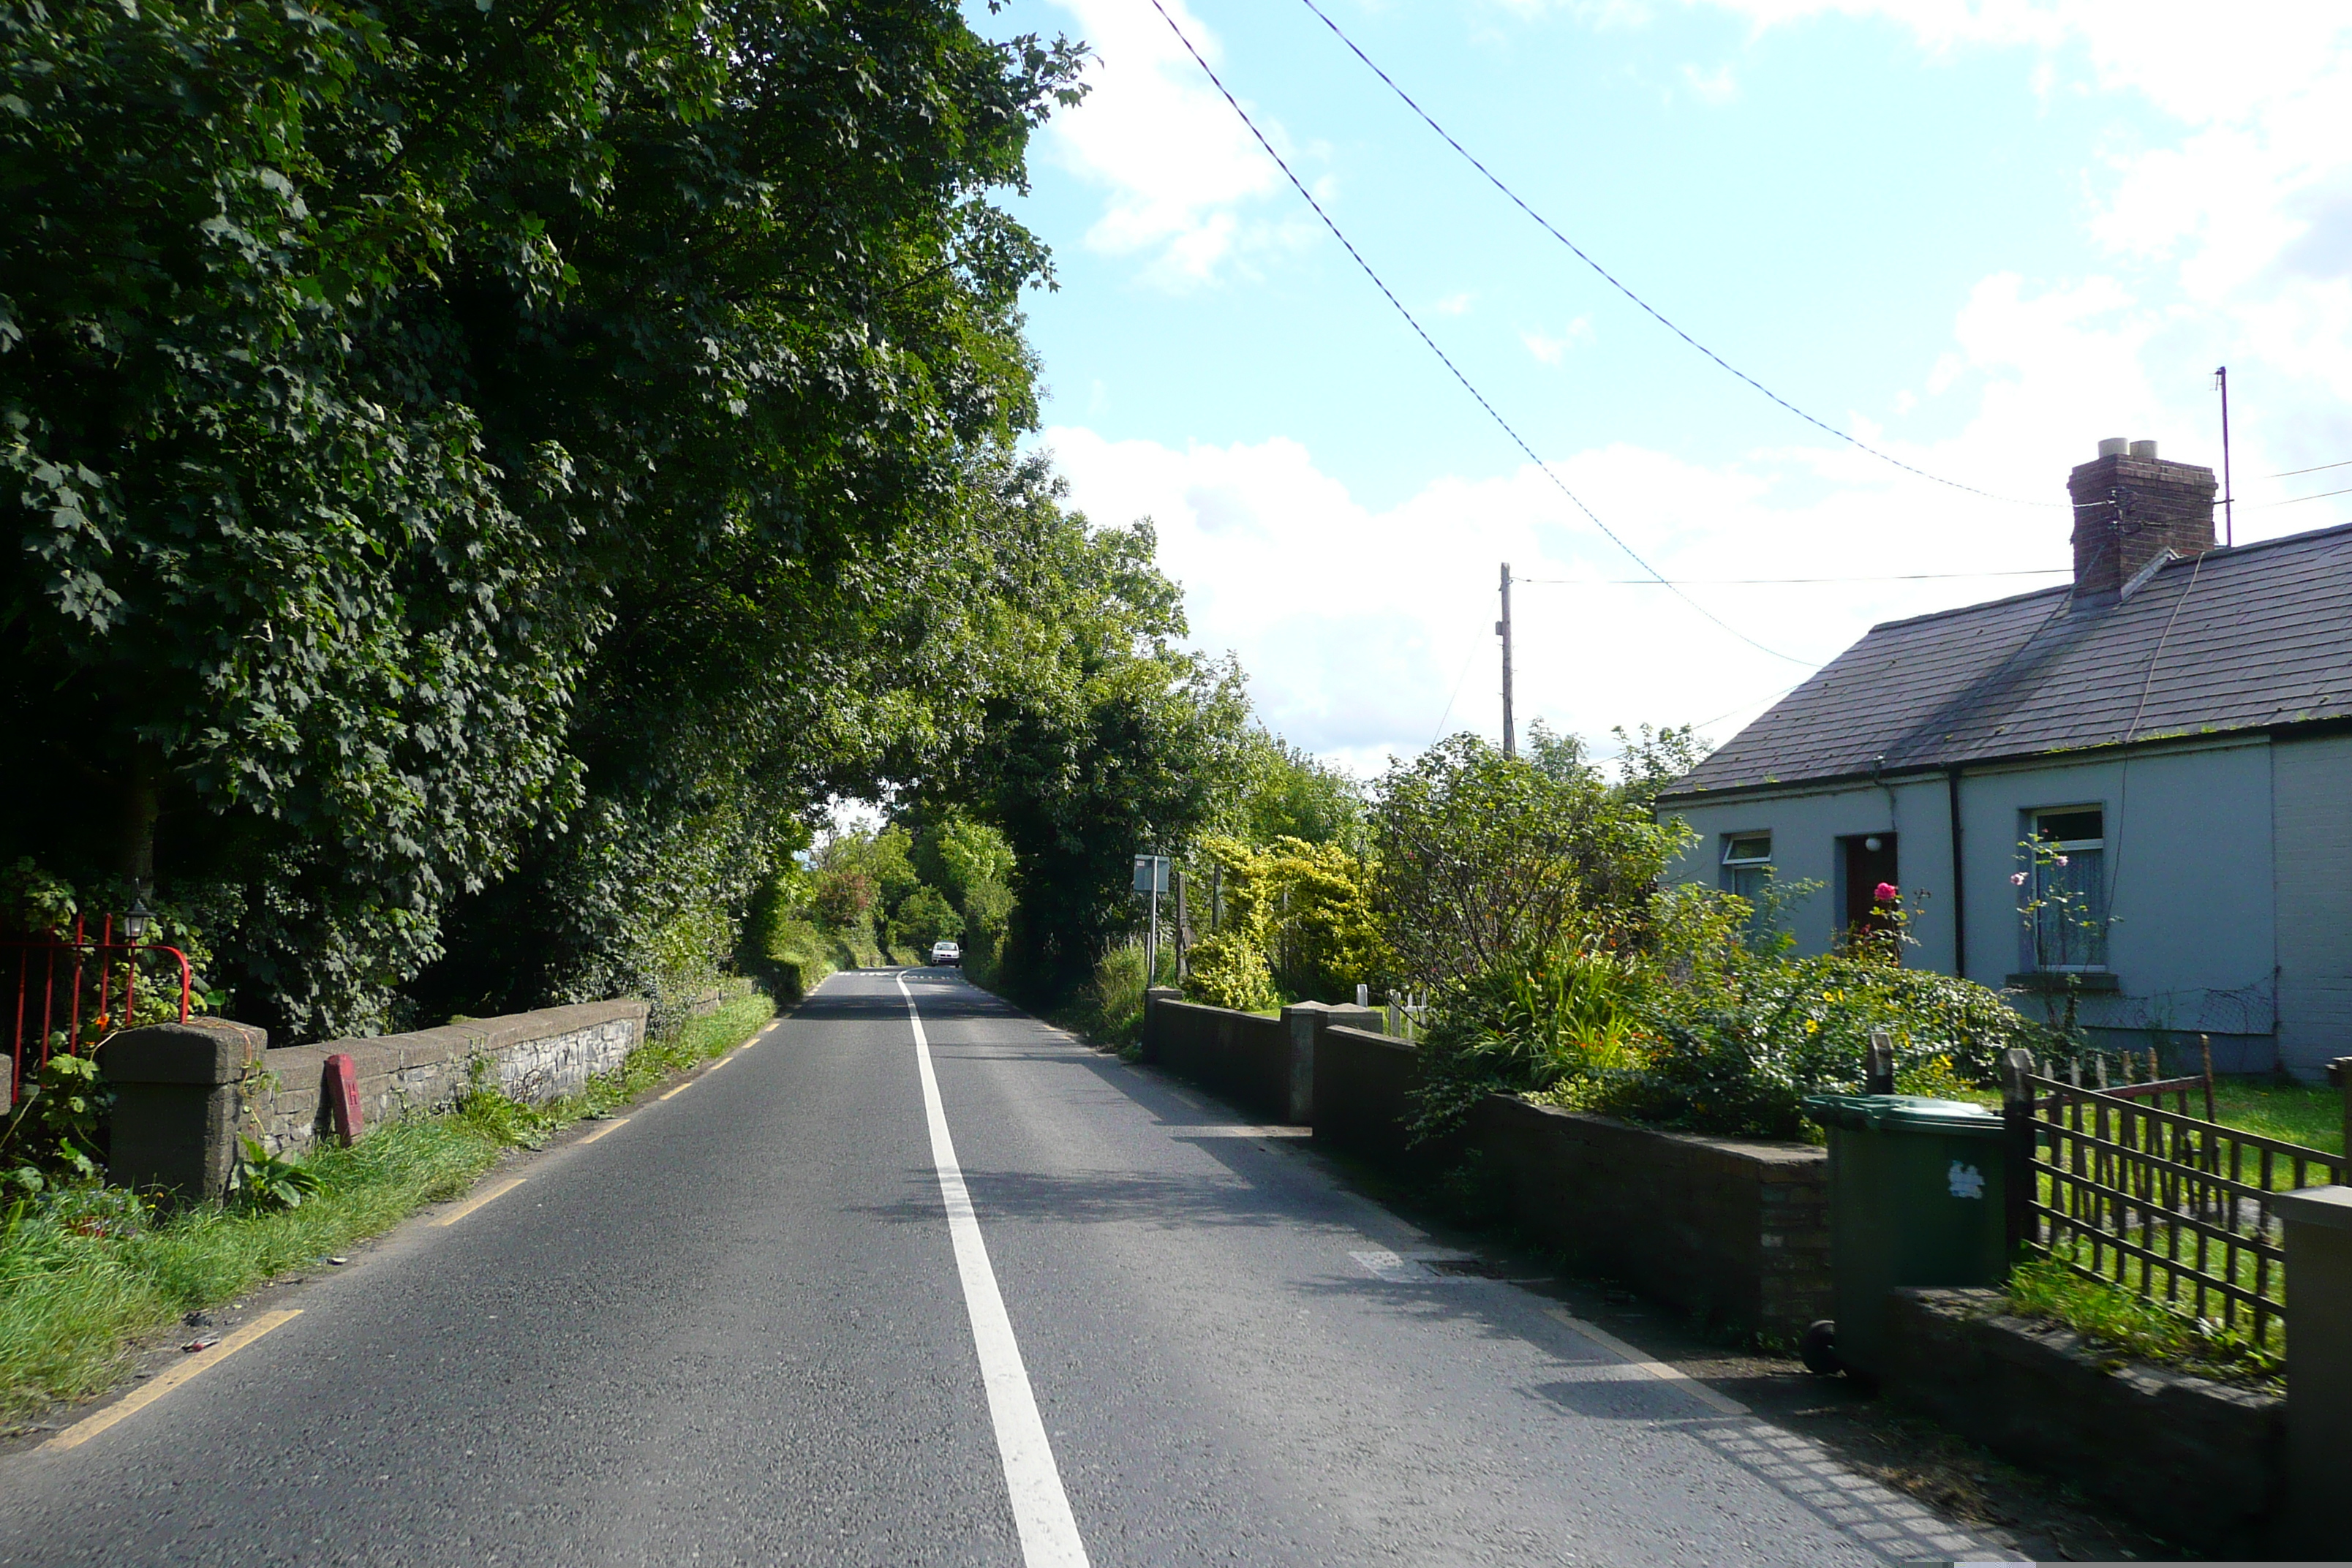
[{"x": 479, "y": 477}]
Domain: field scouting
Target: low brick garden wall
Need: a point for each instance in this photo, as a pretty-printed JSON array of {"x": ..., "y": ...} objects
[
  {"x": 1238, "y": 1057},
  {"x": 1733, "y": 1227},
  {"x": 1363, "y": 1088},
  {"x": 2194, "y": 1459},
  {"x": 1736, "y": 1228}
]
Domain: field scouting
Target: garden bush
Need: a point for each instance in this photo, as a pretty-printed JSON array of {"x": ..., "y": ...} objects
[{"x": 1704, "y": 1026}]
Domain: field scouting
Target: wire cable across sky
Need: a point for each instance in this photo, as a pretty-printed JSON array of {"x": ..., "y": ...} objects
[
  {"x": 1430, "y": 343},
  {"x": 1609, "y": 278},
  {"x": 1783, "y": 582}
]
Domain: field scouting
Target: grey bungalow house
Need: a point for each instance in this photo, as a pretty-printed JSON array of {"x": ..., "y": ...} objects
[{"x": 2176, "y": 723}]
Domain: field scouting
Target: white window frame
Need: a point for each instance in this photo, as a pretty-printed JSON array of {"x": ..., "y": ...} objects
[
  {"x": 2034, "y": 816},
  {"x": 1729, "y": 866}
]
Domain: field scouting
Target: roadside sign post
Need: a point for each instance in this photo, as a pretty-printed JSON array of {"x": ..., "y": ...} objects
[{"x": 1151, "y": 876}]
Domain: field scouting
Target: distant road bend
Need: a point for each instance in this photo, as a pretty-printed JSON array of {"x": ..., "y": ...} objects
[{"x": 917, "y": 1279}]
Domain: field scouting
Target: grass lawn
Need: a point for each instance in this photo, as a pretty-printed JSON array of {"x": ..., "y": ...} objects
[
  {"x": 85, "y": 1272},
  {"x": 2310, "y": 1115},
  {"x": 2297, "y": 1113}
]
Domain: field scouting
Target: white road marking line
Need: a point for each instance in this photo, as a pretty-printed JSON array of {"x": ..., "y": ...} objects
[
  {"x": 1049, "y": 1535},
  {"x": 488, "y": 1194},
  {"x": 1238, "y": 1131},
  {"x": 1641, "y": 1363},
  {"x": 610, "y": 1126},
  {"x": 81, "y": 1432}
]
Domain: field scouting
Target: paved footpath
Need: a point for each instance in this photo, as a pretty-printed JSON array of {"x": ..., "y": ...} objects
[{"x": 994, "y": 1298}]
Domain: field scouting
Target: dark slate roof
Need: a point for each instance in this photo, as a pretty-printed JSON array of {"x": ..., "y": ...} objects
[{"x": 2251, "y": 637}]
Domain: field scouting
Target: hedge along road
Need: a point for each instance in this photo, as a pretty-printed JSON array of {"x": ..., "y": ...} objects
[{"x": 740, "y": 1329}]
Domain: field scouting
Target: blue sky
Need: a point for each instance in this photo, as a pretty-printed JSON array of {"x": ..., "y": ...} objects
[{"x": 1981, "y": 235}]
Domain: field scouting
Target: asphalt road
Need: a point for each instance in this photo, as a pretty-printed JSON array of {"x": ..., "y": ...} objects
[{"x": 737, "y": 1329}]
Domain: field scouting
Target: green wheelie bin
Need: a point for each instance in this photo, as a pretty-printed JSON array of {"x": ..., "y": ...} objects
[{"x": 1916, "y": 1198}]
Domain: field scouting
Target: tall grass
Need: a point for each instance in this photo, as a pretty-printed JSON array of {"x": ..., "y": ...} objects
[
  {"x": 84, "y": 1274},
  {"x": 1110, "y": 1007}
]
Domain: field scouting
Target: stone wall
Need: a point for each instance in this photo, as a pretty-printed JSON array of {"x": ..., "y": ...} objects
[
  {"x": 2194, "y": 1459},
  {"x": 528, "y": 1057},
  {"x": 1737, "y": 1227}
]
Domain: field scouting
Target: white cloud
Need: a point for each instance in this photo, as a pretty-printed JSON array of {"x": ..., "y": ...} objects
[
  {"x": 1183, "y": 175},
  {"x": 1553, "y": 350},
  {"x": 1358, "y": 628},
  {"x": 1717, "y": 86},
  {"x": 1456, "y": 304},
  {"x": 2228, "y": 215},
  {"x": 2224, "y": 227}
]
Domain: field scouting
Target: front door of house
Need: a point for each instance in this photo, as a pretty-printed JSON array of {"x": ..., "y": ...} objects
[{"x": 1866, "y": 863}]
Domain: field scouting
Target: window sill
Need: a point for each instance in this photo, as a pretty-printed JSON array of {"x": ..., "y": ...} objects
[{"x": 2061, "y": 981}]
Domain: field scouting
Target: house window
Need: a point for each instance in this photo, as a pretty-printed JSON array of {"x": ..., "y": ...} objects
[
  {"x": 2065, "y": 886},
  {"x": 1747, "y": 864}
]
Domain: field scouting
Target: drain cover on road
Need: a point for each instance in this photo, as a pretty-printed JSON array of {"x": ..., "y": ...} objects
[{"x": 1465, "y": 1268}]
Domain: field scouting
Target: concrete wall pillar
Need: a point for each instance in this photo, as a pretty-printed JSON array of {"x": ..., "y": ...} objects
[
  {"x": 176, "y": 1103},
  {"x": 1303, "y": 1021},
  {"x": 1149, "y": 1044},
  {"x": 2319, "y": 1369}
]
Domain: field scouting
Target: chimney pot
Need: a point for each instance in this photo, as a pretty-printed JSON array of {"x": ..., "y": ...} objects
[
  {"x": 2113, "y": 447},
  {"x": 2144, "y": 450}
]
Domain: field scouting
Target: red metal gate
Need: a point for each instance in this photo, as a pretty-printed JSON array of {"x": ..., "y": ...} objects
[{"x": 72, "y": 991}]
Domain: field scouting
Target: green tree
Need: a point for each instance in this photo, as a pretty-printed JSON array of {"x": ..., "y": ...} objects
[
  {"x": 1484, "y": 858},
  {"x": 454, "y": 443},
  {"x": 1287, "y": 794},
  {"x": 1299, "y": 915},
  {"x": 924, "y": 917}
]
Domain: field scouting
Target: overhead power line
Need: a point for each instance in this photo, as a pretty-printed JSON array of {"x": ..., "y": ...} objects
[
  {"x": 2322, "y": 469},
  {"x": 2295, "y": 500},
  {"x": 1760, "y": 582},
  {"x": 1653, "y": 312},
  {"x": 1430, "y": 343}
]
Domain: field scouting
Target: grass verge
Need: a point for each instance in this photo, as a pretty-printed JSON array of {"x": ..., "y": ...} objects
[
  {"x": 84, "y": 1274},
  {"x": 2136, "y": 1328}
]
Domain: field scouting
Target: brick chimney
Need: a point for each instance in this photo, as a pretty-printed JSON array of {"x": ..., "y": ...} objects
[{"x": 2131, "y": 506}]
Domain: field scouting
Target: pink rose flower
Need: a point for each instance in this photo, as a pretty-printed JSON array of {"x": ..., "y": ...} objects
[{"x": 1887, "y": 893}]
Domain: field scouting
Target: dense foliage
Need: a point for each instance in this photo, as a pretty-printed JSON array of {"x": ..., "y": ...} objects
[
  {"x": 478, "y": 479},
  {"x": 1484, "y": 858},
  {"x": 1590, "y": 985},
  {"x": 1289, "y": 918}
]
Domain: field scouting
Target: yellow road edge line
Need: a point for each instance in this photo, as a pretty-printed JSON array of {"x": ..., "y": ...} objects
[
  {"x": 722, "y": 1061},
  {"x": 82, "y": 1431},
  {"x": 681, "y": 1088},
  {"x": 1641, "y": 1362},
  {"x": 488, "y": 1194},
  {"x": 609, "y": 1126}
]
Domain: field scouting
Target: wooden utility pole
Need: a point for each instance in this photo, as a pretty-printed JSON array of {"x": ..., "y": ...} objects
[{"x": 1503, "y": 630}]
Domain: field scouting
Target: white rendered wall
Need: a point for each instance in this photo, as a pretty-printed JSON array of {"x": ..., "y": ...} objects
[
  {"x": 1805, "y": 828},
  {"x": 2314, "y": 814},
  {"x": 2190, "y": 831}
]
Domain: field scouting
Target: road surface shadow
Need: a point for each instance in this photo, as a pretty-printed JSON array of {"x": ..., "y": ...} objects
[{"x": 1167, "y": 1203}]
